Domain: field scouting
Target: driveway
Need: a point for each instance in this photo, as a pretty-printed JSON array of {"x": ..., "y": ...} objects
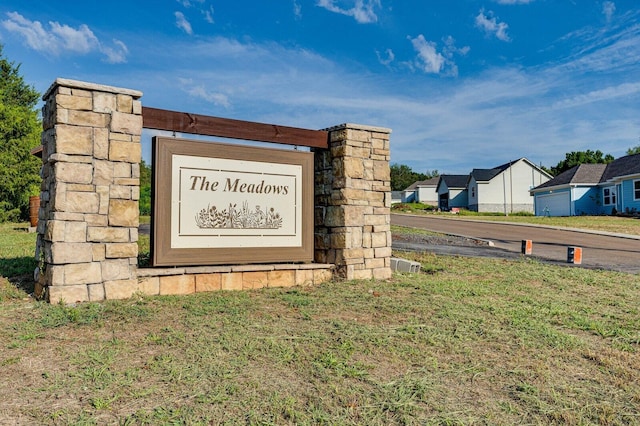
[{"x": 599, "y": 250}]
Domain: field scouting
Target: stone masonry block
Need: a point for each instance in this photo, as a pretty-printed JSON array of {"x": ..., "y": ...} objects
[
  {"x": 81, "y": 92},
  {"x": 177, "y": 284},
  {"x": 121, "y": 137},
  {"x": 103, "y": 194},
  {"x": 98, "y": 252},
  {"x": 89, "y": 119},
  {"x": 82, "y": 273},
  {"x": 116, "y": 269},
  {"x": 358, "y": 135},
  {"x": 375, "y": 219},
  {"x": 124, "y": 103},
  {"x": 103, "y": 172},
  {"x": 54, "y": 230},
  {"x": 232, "y": 281},
  {"x": 123, "y": 213},
  {"x": 80, "y": 187},
  {"x": 75, "y": 232},
  {"x": 101, "y": 143},
  {"x": 379, "y": 239},
  {"x": 362, "y": 274},
  {"x": 120, "y": 289},
  {"x": 74, "y": 102},
  {"x": 62, "y": 253},
  {"x": 149, "y": 285},
  {"x": 208, "y": 282},
  {"x": 78, "y": 202},
  {"x": 74, "y": 172},
  {"x": 280, "y": 278},
  {"x": 96, "y": 292},
  {"x": 104, "y": 102},
  {"x": 136, "y": 107},
  {"x": 255, "y": 279},
  {"x": 321, "y": 276},
  {"x": 121, "y": 192},
  {"x": 68, "y": 294},
  {"x": 382, "y": 273},
  {"x": 122, "y": 170},
  {"x": 382, "y": 252},
  {"x": 304, "y": 277},
  {"x": 381, "y": 170},
  {"x": 125, "y": 151},
  {"x": 74, "y": 140},
  {"x": 119, "y": 250},
  {"x": 353, "y": 167},
  {"x": 126, "y": 123},
  {"x": 96, "y": 219}
]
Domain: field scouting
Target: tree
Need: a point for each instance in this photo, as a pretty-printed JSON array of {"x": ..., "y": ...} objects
[
  {"x": 145, "y": 189},
  {"x": 634, "y": 150},
  {"x": 402, "y": 176},
  {"x": 581, "y": 157},
  {"x": 20, "y": 130}
]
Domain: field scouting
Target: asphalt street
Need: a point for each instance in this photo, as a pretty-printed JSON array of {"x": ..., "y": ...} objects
[{"x": 599, "y": 250}]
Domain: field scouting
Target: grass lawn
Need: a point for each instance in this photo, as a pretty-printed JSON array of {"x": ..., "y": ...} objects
[
  {"x": 466, "y": 341},
  {"x": 615, "y": 224}
]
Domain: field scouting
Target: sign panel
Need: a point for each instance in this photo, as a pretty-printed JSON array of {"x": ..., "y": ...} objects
[{"x": 217, "y": 203}]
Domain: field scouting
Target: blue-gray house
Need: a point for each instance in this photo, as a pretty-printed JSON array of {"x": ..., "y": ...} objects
[{"x": 591, "y": 189}]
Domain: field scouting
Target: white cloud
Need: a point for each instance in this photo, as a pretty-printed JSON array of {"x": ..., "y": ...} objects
[
  {"x": 200, "y": 91},
  {"x": 490, "y": 118},
  {"x": 208, "y": 14},
  {"x": 297, "y": 9},
  {"x": 363, "y": 11},
  {"x": 608, "y": 9},
  {"x": 490, "y": 25},
  {"x": 429, "y": 60},
  {"x": 182, "y": 23},
  {"x": 390, "y": 57},
  {"x": 116, "y": 55},
  {"x": 606, "y": 94},
  {"x": 61, "y": 38}
]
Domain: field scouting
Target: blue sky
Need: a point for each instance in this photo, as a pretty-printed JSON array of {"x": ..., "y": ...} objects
[{"x": 462, "y": 84}]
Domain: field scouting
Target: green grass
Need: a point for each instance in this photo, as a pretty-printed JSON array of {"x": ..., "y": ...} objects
[
  {"x": 467, "y": 341},
  {"x": 472, "y": 341}
]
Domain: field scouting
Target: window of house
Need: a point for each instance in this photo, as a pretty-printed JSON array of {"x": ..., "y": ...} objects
[
  {"x": 473, "y": 191},
  {"x": 609, "y": 195},
  {"x": 636, "y": 189}
]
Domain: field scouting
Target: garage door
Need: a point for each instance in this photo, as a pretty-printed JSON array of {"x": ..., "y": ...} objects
[{"x": 557, "y": 204}]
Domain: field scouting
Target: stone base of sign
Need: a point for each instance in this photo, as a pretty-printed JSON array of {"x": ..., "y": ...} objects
[
  {"x": 188, "y": 280},
  {"x": 353, "y": 202}
]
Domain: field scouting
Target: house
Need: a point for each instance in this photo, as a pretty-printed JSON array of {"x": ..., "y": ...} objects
[
  {"x": 422, "y": 191},
  {"x": 591, "y": 189},
  {"x": 505, "y": 188},
  {"x": 452, "y": 191}
]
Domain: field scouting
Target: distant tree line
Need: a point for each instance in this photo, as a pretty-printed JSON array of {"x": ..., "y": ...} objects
[{"x": 402, "y": 176}]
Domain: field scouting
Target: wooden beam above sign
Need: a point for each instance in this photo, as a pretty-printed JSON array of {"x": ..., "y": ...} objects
[{"x": 183, "y": 122}]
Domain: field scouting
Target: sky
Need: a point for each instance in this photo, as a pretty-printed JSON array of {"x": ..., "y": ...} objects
[{"x": 462, "y": 84}]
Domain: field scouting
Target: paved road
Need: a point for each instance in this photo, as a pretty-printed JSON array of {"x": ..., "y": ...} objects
[{"x": 598, "y": 250}]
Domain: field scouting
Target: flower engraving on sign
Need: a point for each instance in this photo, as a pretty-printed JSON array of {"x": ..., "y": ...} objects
[{"x": 234, "y": 218}]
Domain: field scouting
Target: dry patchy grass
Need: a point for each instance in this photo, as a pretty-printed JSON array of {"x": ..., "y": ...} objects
[{"x": 468, "y": 341}]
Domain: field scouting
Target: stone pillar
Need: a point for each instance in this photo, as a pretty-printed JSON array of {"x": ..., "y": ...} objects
[
  {"x": 88, "y": 221},
  {"x": 353, "y": 202}
]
